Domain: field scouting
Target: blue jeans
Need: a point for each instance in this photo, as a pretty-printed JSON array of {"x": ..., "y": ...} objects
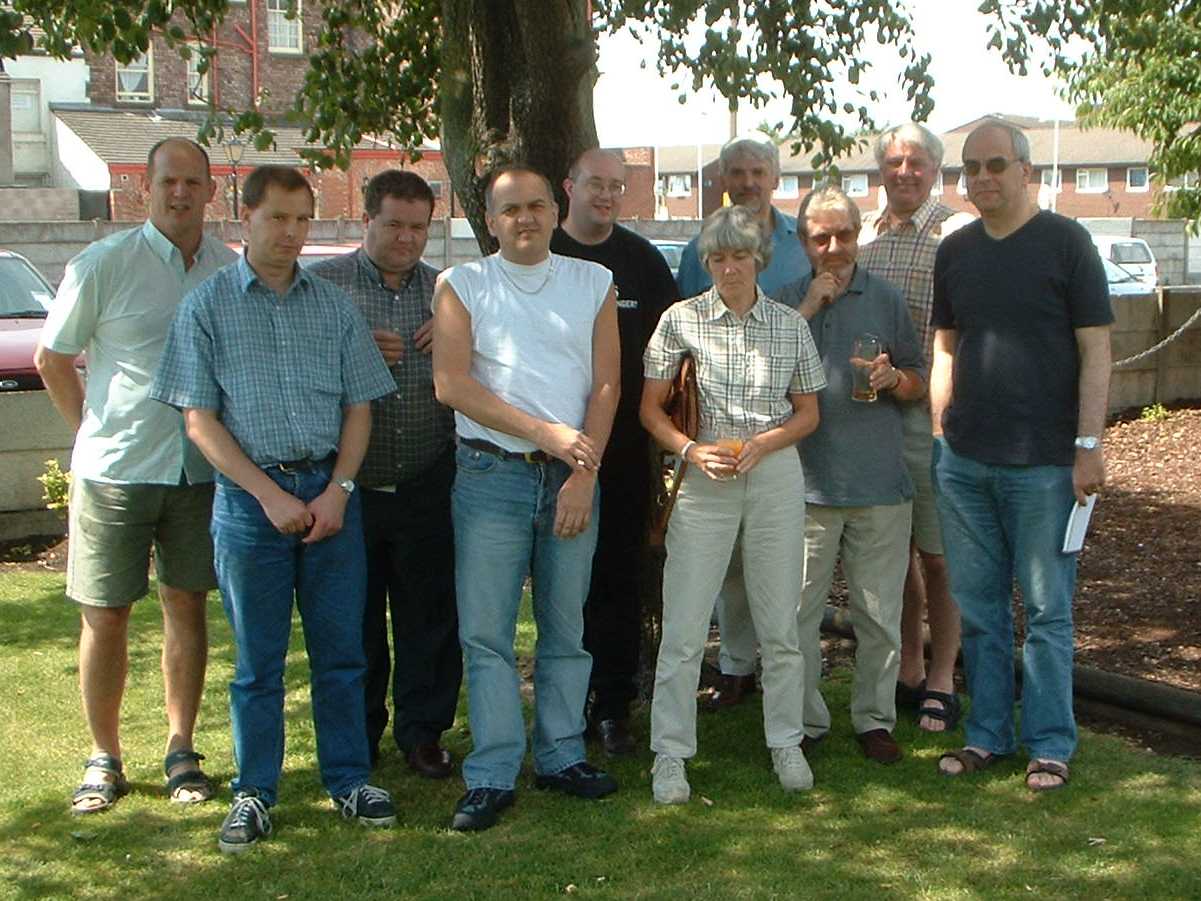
[
  {"x": 504, "y": 513},
  {"x": 998, "y": 523},
  {"x": 259, "y": 570}
]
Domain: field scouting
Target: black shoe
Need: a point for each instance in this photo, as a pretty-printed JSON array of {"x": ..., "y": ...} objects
[
  {"x": 368, "y": 805},
  {"x": 480, "y": 808},
  {"x": 246, "y": 822},
  {"x": 580, "y": 779},
  {"x": 615, "y": 737}
]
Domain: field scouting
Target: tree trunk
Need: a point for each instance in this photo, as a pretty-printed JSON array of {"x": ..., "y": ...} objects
[{"x": 517, "y": 86}]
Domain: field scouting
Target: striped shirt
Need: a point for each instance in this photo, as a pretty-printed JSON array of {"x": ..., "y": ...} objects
[
  {"x": 278, "y": 370},
  {"x": 745, "y": 368},
  {"x": 410, "y": 430},
  {"x": 903, "y": 253}
]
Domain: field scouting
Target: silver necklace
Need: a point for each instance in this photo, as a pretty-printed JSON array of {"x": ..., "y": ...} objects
[{"x": 550, "y": 270}]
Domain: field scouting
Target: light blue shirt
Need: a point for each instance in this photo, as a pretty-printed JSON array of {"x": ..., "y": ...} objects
[
  {"x": 788, "y": 262},
  {"x": 116, "y": 302},
  {"x": 278, "y": 370}
]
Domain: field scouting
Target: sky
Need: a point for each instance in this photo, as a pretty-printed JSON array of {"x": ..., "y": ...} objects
[{"x": 635, "y": 107}]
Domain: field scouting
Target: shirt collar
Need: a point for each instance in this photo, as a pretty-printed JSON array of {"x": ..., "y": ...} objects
[
  {"x": 783, "y": 226},
  {"x": 247, "y": 276},
  {"x": 712, "y": 307},
  {"x": 919, "y": 220},
  {"x": 161, "y": 244},
  {"x": 858, "y": 281},
  {"x": 370, "y": 271}
]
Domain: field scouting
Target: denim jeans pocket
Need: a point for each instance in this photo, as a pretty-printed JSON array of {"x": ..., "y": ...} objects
[{"x": 471, "y": 461}]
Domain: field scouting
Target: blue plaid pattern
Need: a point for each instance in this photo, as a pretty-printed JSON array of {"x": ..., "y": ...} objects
[{"x": 278, "y": 370}]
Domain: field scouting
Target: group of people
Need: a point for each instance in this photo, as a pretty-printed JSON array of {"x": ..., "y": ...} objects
[{"x": 375, "y": 442}]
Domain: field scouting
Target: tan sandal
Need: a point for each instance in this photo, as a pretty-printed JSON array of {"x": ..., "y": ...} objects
[
  {"x": 1050, "y": 767},
  {"x": 971, "y": 761}
]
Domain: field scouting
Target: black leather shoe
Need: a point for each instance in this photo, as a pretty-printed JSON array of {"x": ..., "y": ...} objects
[
  {"x": 582, "y": 780},
  {"x": 430, "y": 760},
  {"x": 480, "y": 808},
  {"x": 729, "y": 691},
  {"x": 615, "y": 737}
]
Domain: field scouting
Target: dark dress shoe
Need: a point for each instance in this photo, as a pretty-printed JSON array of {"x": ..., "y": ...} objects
[
  {"x": 729, "y": 691},
  {"x": 582, "y": 780},
  {"x": 430, "y": 760},
  {"x": 615, "y": 737},
  {"x": 879, "y": 745}
]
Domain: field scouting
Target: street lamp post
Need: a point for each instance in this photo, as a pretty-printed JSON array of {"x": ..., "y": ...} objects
[{"x": 233, "y": 151}]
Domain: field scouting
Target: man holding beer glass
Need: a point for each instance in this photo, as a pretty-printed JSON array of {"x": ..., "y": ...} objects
[
  {"x": 858, "y": 491},
  {"x": 757, "y": 373}
]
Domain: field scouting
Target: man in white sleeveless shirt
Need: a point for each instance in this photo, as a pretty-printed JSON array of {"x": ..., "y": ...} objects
[{"x": 526, "y": 351}]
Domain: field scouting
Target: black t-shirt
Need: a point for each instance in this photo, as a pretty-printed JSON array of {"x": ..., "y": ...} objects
[
  {"x": 645, "y": 289},
  {"x": 1015, "y": 303}
]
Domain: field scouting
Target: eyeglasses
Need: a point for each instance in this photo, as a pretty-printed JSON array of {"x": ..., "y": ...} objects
[
  {"x": 994, "y": 164},
  {"x": 846, "y": 236},
  {"x": 597, "y": 186}
]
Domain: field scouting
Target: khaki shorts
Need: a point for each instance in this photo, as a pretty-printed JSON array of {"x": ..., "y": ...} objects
[
  {"x": 919, "y": 444},
  {"x": 113, "y": 528}
]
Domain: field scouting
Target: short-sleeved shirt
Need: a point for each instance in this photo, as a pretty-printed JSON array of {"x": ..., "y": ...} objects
[
  {"x": 855, "y": 458},
  {"x": 278, "y": 370},
  {"x": 410, "y": 430},
  {"x": 745, "y": 367},
  {"x": 788, "y": 261},
  {"x": 1015, "y": 304},
  {"x": 116, "y": 303},
  {"x": 903, "y": 253},
  {"x": 645, "y": 289}
]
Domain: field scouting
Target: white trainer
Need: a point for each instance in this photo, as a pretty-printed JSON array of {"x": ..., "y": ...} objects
[
  {"x": 669, "y": 784},
  {"x": 792, "y": 768}
]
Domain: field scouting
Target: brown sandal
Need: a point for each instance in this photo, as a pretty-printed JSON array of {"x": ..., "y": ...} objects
[
  {"x": 971, "y": 761},
  {"x": 1051, "y": 767}
]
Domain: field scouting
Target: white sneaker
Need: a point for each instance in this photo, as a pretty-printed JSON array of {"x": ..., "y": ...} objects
[
  {"x": 792, "y": 768},
  {"x": 668, "y": 782}
]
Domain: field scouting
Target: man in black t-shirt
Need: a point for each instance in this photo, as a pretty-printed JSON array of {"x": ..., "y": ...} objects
[
  {"x": 612, "y": 618},
  {"x": 1018, "y": 395}
]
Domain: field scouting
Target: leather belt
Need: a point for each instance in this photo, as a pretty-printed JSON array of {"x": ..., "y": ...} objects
[
  {"x": 489, "y": 448},
  {"x": 306, "y": 465}
]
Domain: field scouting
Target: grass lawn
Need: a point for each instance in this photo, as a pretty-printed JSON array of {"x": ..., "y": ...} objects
[{"x": 1129, "y": 825}]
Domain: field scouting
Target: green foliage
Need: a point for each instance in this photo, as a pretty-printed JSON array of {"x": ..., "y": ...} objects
[
  {"x": 56, "y": 486},
  {"x": 1154, "y": 413},
  {"x": 1129, "y": 65}
]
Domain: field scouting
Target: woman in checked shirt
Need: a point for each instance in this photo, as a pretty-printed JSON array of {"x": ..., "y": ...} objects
[{"x": 757, "y": 371}]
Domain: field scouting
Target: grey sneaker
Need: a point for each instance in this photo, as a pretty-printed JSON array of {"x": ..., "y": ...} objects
[
  {"x": 792, "y": 768},
  {"x": 246, "y": 822},
  {"x": 669, "y": 784},
  {"x": 369, "y": 805}
]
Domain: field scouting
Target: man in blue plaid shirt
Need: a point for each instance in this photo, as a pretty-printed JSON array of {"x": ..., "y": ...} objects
[{"x": 274, "y": 369}]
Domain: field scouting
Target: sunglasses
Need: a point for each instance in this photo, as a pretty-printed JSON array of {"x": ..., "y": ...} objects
[
  {"x": 994, "y": 164},
  {"x": 844, "y": 237}
]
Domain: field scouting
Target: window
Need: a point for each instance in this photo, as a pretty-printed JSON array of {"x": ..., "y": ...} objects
[
  {"x": 1138, "y": 179},
  {"x": 283, "y": 34},
  {"x": 936, "y": 187},
  {"x": 436, "y": 187},
  {"x": 790, "y": 186},
  {"x": 198, "y": 84},
  {"x": 1188, "y": 180},
  {"x": 1091, "y": 181},
  {"x": 677, "y": 185},
  {"x": 26, "y": 103},
  {"x": 1045, "y": 175},
  {"x": 854, "y": 185},
  {"x": 135, "y": 79},
  {"x": 961, "y": 185}
]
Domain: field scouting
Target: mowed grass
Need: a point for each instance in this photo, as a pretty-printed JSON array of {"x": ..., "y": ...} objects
[{"x": 1129, "y": 825}]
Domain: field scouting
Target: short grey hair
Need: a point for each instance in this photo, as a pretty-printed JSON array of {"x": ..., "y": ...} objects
[
  {"x": 763, "y": 150},
  {"x": 733, "y": 228},
  {"x": 910, "y": 133},
  {"x": 1017, "y": 137},
  {"x": 827, "y": 198}
]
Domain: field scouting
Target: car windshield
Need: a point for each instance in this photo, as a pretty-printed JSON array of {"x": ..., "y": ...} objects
[
  {"x": 22, "y": 291},
  {"x": 671, "y": 252},
  {"x": 1131, "y": 253},
  {"x": 1115, "y": 273}
]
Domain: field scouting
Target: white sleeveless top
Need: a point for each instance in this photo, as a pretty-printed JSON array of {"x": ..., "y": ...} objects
[{"x": 532, "y": 350}]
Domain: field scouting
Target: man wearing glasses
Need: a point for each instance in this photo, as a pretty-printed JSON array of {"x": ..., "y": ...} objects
[
  {"x": 1018, "y": 400},
  {"x": 612, "y": 618}
]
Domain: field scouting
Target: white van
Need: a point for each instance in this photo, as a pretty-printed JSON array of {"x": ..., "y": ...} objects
[{"x": 1132, "y": 254}]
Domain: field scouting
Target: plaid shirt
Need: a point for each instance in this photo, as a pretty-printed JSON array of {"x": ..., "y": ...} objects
[
  {"x": 278, "y": 370},
  {"x": 410, "y": 430},
  {"x": 745, "y": 368},
  {"x": 903, "y": 253}
]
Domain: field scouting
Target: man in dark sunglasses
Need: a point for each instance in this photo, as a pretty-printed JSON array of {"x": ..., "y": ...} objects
[{"x": 1018, "y": 397}]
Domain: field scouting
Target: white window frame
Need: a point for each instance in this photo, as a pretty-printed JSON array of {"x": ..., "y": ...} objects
[
  {"x": 1085, "y": 180},
  {"x": 205, "y": 94},
  {"x": 1188, "y": 180},
  {"x": 677, "y": 184},
  {"x": 30, "y": 89},
  {"x": 146, "y": 96},
  {"x": 789, "y": 187},
  {"x": 1138, "y": 189},
  {"x": 277, "y": 21},
  {"x": 1044, "y": 179},
  {"x": 855, "y": 185}
]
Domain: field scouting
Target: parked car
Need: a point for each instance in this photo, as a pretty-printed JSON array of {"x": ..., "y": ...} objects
[
  {"x": 24, "y": 302},
  {"x": 1132, "y": 254},
  {"x": 672, "y": 251},
  {"x": 1122, "y": 283}
]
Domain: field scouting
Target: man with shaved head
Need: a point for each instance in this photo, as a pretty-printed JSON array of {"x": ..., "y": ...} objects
[
  {"x": 137, "y": 482},
  {"x": 595, "y": 187}
]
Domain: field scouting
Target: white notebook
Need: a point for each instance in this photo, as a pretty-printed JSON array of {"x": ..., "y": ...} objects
[{"x": 1073, "y": 535}]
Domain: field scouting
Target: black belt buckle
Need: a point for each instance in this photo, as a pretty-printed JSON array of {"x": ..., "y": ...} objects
[
  {"x": 488, "y": 447},
  {"x": 294, "y": 467}
]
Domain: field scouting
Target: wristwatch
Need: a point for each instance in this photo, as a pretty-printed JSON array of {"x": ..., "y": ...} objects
[
  {"x": 1088, "y": 442},
  {"x": 347, "y": 485}
]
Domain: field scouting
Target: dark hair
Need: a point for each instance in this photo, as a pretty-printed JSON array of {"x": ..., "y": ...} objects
[
  {"x": 254, "y": 190},
  {"x": 513, "y": 169},
  {"x": 188, "y": 142},
  {"x": 398, "y": 183}
]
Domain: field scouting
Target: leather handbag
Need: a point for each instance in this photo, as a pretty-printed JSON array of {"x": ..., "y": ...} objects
[{"x": 683, "y": 407}]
